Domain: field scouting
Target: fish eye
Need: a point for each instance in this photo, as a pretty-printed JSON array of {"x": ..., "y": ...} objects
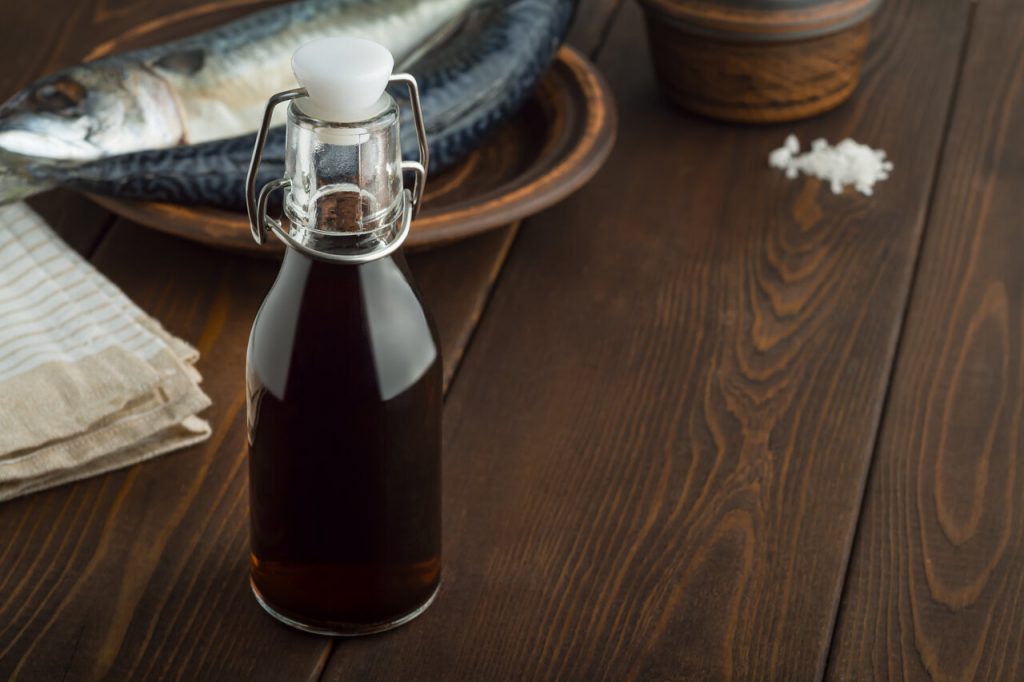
[{"x": 59, "y": 96}]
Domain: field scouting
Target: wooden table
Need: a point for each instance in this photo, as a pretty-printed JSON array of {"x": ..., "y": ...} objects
[{"x": 702, "y": 423}]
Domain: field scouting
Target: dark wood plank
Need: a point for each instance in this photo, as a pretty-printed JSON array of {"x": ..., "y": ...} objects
[
  {"x": 80, "y": 222},
  {"x": 100, "y": 573},
  {"x": 456, "y": 281},
  {"x": 128, "y": 566},
  {"x": 658, "y": 440},
  {"x": 592, "y": 23},
  {"x": 141, "y": 573},
  {"x": 45, "y": 35},
  {"x": 134, "y": 574},
  {"x": 936, "y": 586},
  {"x": 143, "y": 568}
]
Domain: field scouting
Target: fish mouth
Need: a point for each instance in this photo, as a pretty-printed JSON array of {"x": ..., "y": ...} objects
[{"x": 33, "y": 144}]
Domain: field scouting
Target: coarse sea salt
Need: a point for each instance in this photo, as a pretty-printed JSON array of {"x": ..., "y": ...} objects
[{"x": 847, "y": 163}]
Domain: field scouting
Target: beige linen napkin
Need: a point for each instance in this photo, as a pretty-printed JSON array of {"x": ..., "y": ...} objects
[{"x": 88, "y": 382}]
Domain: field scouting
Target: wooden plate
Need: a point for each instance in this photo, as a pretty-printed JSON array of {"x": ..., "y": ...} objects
[{"x": 551, "y": 148}]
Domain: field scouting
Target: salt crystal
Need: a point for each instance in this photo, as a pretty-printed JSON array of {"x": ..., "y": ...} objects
[
  {"x": 847, "y": 163},
  {"x": 780, "y": 158}
]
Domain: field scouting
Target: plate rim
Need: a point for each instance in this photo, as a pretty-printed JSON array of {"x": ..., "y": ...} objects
[{"x": 471, "y": 217}]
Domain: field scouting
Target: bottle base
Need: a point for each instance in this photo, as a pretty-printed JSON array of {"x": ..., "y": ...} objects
[{"x": 343, "y": 629}]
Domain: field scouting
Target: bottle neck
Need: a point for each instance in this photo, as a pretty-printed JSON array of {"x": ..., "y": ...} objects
[{"x": 345, "y": 193}]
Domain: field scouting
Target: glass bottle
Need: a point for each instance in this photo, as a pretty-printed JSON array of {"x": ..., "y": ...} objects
[{"x": 343, "y": 369}]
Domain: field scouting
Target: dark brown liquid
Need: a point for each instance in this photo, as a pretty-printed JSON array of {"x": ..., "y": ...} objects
[{"x": 344, "y": 390}]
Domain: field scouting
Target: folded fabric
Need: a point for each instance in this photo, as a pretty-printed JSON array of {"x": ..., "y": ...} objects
[{"x": 88, "y": 381}]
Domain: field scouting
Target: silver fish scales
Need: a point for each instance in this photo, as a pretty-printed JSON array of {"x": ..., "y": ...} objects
[
  {"x": 468, "y": 85},
  {"x": 209, "y": 86}
]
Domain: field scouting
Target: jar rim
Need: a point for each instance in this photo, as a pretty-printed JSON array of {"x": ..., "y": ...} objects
[{"x": 776, "y": 21}]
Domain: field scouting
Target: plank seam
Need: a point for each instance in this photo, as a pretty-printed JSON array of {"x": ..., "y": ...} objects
[
  {"x": 333, "y": 643},
  {"x": 485, "y": 305},
  {"x": 606, "y": 31},
  {"x": 321, "y": 669},
  {"x": 101, "y": 237},
  {"x": 826, "y": 666}
]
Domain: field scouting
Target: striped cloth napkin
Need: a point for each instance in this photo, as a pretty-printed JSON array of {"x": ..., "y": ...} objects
[{"x": 88, "y": 382}]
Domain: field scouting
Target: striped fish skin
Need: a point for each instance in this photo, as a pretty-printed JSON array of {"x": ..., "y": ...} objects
[
  {"x": 212, "y": 85},
  {"x": 468, "y": 87}
]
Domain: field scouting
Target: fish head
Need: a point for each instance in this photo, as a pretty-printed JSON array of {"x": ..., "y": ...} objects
[{"x": 90, "y": 111}]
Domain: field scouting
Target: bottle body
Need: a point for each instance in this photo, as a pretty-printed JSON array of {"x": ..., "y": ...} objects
[{"x": 344, "y": 422}]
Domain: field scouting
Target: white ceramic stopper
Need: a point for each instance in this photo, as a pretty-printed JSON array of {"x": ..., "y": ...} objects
[{"x": 345, "y": 77}]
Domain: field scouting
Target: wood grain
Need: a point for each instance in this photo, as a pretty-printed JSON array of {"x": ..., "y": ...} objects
[
  {"x": 140, "y": 573},
  {"x": 34, "y": 43},
  {"x": 757, "y": 81},
  {"x": 79, "y": 222},
  {"x": 456, "y": 282},
  {"x": 142, "y": 569},
  {"x": 760, "y": 62},
  {"x": 763, "y": 20},
  {"x": 434, "y": 272},
  {"x": 658, "y": 440},
  {"x": 936, "y": 582}
]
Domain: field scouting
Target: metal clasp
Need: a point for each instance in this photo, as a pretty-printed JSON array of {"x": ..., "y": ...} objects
[
  {"x": 418, "y": 169},
  {"x": 258, "y": 210},
  {"x": 256, "y": 204}
]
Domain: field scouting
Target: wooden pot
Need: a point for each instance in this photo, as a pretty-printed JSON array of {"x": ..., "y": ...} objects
[{"x": 758, "y": 61}]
